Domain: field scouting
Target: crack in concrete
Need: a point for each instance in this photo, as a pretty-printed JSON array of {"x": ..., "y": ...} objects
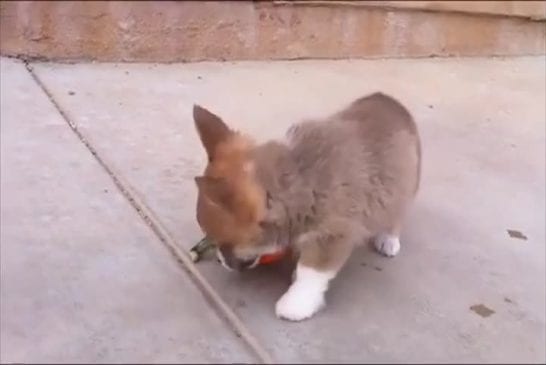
[{"x": 137, "y": 202}]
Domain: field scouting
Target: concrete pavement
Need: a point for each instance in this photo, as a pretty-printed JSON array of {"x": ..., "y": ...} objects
[
  {"x": 483, "y": 127},
  {"x": 83, "y": 279}
]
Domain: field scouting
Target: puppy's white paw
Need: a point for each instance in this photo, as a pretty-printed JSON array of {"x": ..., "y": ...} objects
[
  {"x": 305, "y": 297},
  {"x": 388, "y": 245},
  {"x": 297, "y": 305}
]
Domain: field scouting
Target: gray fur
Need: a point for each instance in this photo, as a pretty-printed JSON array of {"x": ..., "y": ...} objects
[{"x": 340, "y": 181}]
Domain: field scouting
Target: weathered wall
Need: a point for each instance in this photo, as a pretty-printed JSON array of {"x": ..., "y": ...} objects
[
  {"x": 526, "y": 9},
  {"x": 191, "y": 31}
]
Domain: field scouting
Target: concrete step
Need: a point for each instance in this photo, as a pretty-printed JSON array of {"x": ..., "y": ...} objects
[{"x": 194, "y": 31}]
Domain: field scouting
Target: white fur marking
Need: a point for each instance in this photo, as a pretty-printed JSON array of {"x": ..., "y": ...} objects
[
  {"x": 255, "y": 263},
  {"x": 222, "y": 259},
  {"x": 305, "y": 296},
  {"x": 387, "y": 244}
]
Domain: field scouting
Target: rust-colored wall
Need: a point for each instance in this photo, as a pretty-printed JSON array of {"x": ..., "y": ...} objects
[
  {"x": 190, "y": 31},
  {"x": 525, "y": 9}
]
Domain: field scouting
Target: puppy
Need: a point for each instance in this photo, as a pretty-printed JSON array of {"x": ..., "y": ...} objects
[{"x": 332, "y": 185}]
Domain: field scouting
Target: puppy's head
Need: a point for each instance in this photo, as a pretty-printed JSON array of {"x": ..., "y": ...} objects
[{"x": 232, "y": 206}]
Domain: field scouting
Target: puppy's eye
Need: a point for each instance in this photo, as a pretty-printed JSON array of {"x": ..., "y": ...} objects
[
  {"x": 264, "y": 224},
  {"x": 268, "y": 200}
]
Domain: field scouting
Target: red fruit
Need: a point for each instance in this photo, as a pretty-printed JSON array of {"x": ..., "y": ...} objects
[{"x": 272, "y": 258}]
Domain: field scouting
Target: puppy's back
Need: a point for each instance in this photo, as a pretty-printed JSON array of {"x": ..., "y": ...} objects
[
  {"x": 364, "y": 160},
  {"x": 388, "y": 130}
]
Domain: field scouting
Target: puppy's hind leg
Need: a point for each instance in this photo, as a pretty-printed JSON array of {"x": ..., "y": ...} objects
[{"x": 388, "y": 243}]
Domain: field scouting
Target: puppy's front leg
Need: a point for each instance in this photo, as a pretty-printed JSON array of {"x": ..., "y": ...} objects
[{"x": 322, "y": 254}]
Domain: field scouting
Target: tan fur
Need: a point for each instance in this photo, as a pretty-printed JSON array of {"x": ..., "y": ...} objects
[
  {"x": 230, "y": 201},
  {"x": 333, "y": 184}
]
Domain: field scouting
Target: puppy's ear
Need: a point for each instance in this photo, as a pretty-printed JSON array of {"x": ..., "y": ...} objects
[
  {"x": 212, "y": 130},
  {"x": 215, "y": 190}
]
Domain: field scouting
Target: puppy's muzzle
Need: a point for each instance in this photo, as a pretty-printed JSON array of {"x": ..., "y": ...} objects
[{"x": 229, "y": 261}]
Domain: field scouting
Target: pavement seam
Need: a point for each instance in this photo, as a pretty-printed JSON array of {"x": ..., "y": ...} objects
[{"x": 216, "y": 301}]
